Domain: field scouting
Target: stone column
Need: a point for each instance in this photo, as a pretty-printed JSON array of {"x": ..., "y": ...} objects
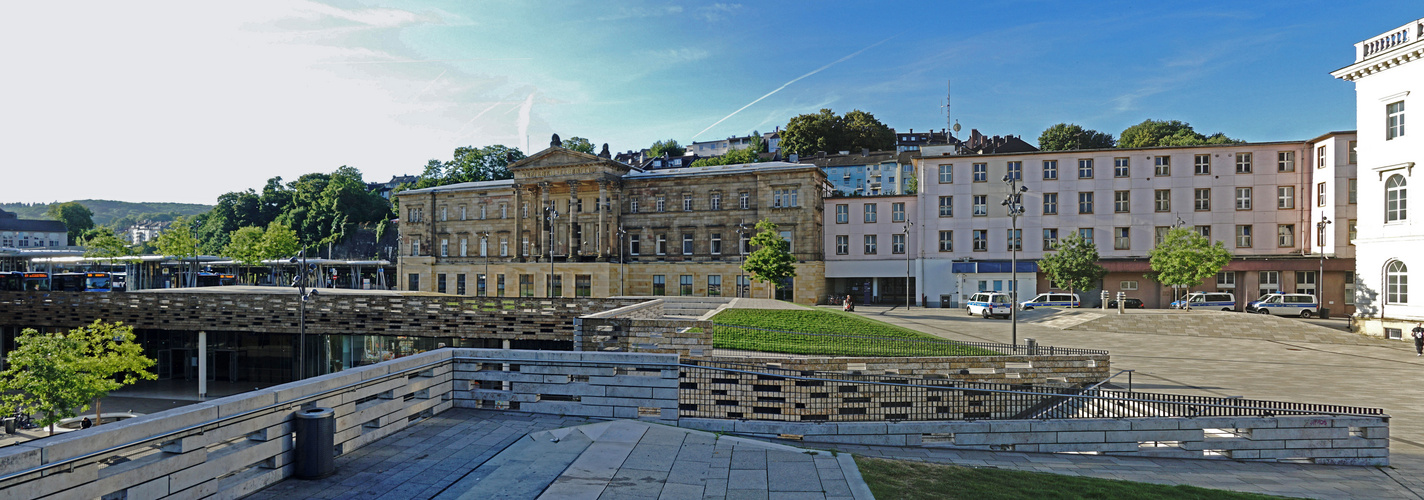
[
  {"x": 518, "y": 222},
  {"x": 602, "y": 220},
  {"x": 573, "y": 204}
]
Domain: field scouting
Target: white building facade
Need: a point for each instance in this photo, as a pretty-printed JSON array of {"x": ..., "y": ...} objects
[{"x": 1385, "y": 72}]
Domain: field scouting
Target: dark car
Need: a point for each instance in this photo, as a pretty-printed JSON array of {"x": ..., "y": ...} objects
[{"x": 1128, "y": 303}]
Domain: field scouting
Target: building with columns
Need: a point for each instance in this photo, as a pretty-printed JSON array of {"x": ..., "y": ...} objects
[
  {"x": 1385, "y": 72},
  {"x": 575, "y": 224}
]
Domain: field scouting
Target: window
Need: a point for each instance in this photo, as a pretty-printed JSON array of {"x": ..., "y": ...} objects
[
  {"x": 1086, "y": 233},
  {"x": 870, "y": 244},
  {"x": 1085, "y": 168},
  {"x": 897, "y": 243},
  {"x": 1162, "y": 166},
  {"x": 635, "y": 244},
  {"x": 1353, "y": 160},
  {"x": 1320, "y": 157},
  {"x": 1396, "y": 283},
  {"x": 842, "y": 244},
  {"x": 684, "y": 285},
  {"x": 1226, "y": 280},
  {"x": 1127, "y": 285},
  {"x": 556, "y": 284},
  {"x": 981, "y": 172},
  {"x": 413, "y": 282},
  {"x": 1243, "y": 236},
  {"x": 1285, "y": 235},
  {"x": 1243, "y": 198},
  {"x": 1285, "y": 197},
  {"x": 1243, "y": 163},
  {"x": 499, "y": 285},
  {"x": 981, "y": 205},
  {"x": 1016, "y": 170},
  {"x": 784, "y": 198},
  {"x": 1353, "y": 189},
  {"x": 1162, "y": 200},
  {"x": 981, "y": 240},
  {"x": 1285, "y": 161},
  {"x": 464, "y": 247},
  {"x": 897, "y": 212},
  {"x": 1085, "y": 203},
  {"x": 716, "y": 201},
  {"x": 440, "y": 283},
  {"x": 442, "y": 214},
  {"x": 661, "y": 203},
  {"x": 946, "y": 174},
  {"x": 415, "y": 246},
  {"x": 1394, "y": 120},
  {"x": 1204, "y": 231},
  {"x": 714, "y": 285},
  {"x": 716, "y": 244},
  {"x": 946, "y": 241},
  {"x": 1050, "y": 170},
  {"x": 1120, "y": 238},
  {"x": 1349, "y": 287},
  {"x": 842, "y": 214},
  {"x": 526, "y": 246},
  {"x": 1121, "y": 203},
  {"x": 1121, "y": 167},
  {"x": 745, "y": 200},
  {"x": 744, "y": 243},
  {"x": 659, "y": 284},
  {"x": 1269, "y": 281},
  {"x": 946, "y": 206},
  {"x": 687, "y": 244},
  {"x": 1395, "y": 198},
  {"x": 1159, "y": 234},
  {"x": 1320, "y": 194},
  {"x": 1351, "y": 231},
  {"x": 661, "y": 245},
  {"x": 1202, "y": 165},
  {"x": 526, "y": 285},
  {"x": 462, "y": 212},
  {"x": 583, "y": 285},
  {"x": 1050, "y": 239},
  {"x": 1050, "y": 203},
  {"x": 870, "y": 215},
  {"x": 1015, "y": 238},
  {"x": 459, "y": 284},
  {"x": 503, "y": 211},
  {"x": 481, "y": 285},
  {"x": 1202, "y": 200},
  {"x": 632, "y": 205}
]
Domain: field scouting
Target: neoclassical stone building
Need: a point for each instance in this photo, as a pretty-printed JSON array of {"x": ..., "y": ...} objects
[{"x": 575, "y": 224}]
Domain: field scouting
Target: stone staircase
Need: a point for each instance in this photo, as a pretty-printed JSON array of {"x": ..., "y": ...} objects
[{"x": 692, "y": 307}]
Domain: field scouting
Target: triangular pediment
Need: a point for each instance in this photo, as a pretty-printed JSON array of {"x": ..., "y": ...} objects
[{"x": 559, "y": 162}]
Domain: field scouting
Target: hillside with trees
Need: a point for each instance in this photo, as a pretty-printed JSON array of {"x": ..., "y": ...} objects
[{"x": 114, "y": 214}]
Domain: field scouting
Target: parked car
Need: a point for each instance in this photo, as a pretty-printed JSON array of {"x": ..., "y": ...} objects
[
  {"x": 1285, "y": 304},
  {"x": 988, "y": 304},
  {"x": 1127, "y": 303},
  {"x": 1207, "y": 300},
  {"x": 1051, "y": 300}
]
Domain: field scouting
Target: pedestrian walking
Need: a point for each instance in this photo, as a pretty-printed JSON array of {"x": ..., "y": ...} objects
[
  {"x": 847, "y": 305},
  {"x": 1418, "y": 334}
]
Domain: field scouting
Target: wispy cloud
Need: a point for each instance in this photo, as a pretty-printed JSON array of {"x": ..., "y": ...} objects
[
  {"x": 788, "y": 84},
  {"x": 675, "y": 56},
  {"x": 624, "y": 13},
  {"x": 718, "y": 11}
]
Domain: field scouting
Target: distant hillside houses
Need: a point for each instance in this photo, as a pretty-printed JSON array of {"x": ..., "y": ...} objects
[{"x": 145, "y": 231}]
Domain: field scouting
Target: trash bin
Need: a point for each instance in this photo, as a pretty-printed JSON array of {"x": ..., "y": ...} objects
[
  {"x": 1324, "y": 313},
  {"x": 9, "y": 425},
  {"x": 316, "y": 443}
]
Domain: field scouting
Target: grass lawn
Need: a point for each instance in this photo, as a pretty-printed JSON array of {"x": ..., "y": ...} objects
[
  {"x": 828, "y": 322},
  {"x": 906, "y": 480}
]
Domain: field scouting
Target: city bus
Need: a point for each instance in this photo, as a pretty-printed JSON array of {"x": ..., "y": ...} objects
[
  {"x": 16, "y": 281},
  {"x": 215, "y": 279},
  {"x": 82, "y": 282}
]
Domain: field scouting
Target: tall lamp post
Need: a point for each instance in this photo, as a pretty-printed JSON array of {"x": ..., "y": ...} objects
[
  {"x": 622, "y": 262},
  {"x": 484, "y": 250},
  {"x": 909, "y": 290},
  {"x": 1014, "y": 203},
  {"x": 1320, "y": 278},
  {"x": 304, "y": 295},
  {"x": 741, "y": 230},
  {"x": 551, "y": 215}
]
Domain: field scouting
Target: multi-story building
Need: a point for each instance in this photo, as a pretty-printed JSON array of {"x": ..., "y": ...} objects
[
  {"x": 1260, "y": 199},
  {"x": 28, "y": 233},
  {"x": 870, "y": 173},
  {"x": 575, "y": 224},
  {"x": 1386, "y": 70}
]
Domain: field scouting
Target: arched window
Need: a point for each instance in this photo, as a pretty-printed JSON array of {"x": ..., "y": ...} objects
[
  {"x": 1396, "y": 283},
  {"x": 1395, "y": 198}
]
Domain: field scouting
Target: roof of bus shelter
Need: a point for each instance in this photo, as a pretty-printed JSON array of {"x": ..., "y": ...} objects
[{"x": 73, "y": 258}]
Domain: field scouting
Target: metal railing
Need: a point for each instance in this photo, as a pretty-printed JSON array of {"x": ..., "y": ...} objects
[
  {"x": 784, "y": 341},
  {"x": 725, "y": 390}
]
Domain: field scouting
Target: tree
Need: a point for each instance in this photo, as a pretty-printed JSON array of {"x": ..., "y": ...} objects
[
  {"x": 771, "y": 262},
  {"x": 76, "y": 217},
  {"x": 471, "y": 164},
  {"x": 749, "y": 154},
  {"x": 245, "y": 246},
  {"x": 112, "y": 358},
  {"x": 670, "y": 147},
  {"x": 1066, "y": 136},
  {"x": 824, "y": 131},
  {"x": 1187, "y": 258},
  {"x": 178, "y": 241},
  {"x": 863, "y": 131},
  {"x": 1152, "y": 133},
  {"x": 104, "y": 245},
  {"x": 578, "y": 144},
  {"x": 912, "y": 184},
  {"x": 279, "y": 242},
  {"x": 1074, "y": 264}
]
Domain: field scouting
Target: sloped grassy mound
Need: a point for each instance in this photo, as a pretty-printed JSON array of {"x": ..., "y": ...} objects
[{"x": 829, "y": 333}]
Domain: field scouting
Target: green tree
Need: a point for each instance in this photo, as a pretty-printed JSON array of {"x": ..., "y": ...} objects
[
  {"x": 470, "y": 164},
  {"x": 178, "y": 241},
  {"x": 1074, "y": 264},
  {"x": 825, "y": 131},
  {"x": 1068, "y": 136},
  {"x": 1152, "y": 133},
  {"x": 912, "y": 184},
  {"x": 103, "y": 244},
  {"x": 748, "y": 154},
  {"x": 863, "y": 131},
  {"x": 578, "y": 144},
  {"x": 670, "y": 147},
  {"x": 1187, "y": 258},
  {"x": 76, "y": 217},
  {"x": 279, "y": 242},
  {"x": 771, "y": 262},
  {"x": 245, "y": 246},
  {"x": 111, "y": 358},
  {"x": 43, "y": 376}
]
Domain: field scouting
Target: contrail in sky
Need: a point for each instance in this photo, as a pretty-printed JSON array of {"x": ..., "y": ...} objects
[
  {"x": 432, "y": 82},
  {"x": 524, "y": 120},
  {"x": 476, "y": 117},
  {"x": 787, "y": 84},
  {"x": 412, "y": 61}
]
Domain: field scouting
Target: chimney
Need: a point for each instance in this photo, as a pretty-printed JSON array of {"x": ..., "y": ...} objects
[
  {"x": 793, "y": 157},
  {"x": 820, "y": 154},
  {"x": 864, "y": 151}
]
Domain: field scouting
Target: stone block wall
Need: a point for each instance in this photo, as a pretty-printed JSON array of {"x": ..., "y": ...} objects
[
  {"x": 1076, "y": 371},
  {"x": 1332, "y": 440},
  {"x": 589, "y": 384},
  {"x": 668, "y": 336}
]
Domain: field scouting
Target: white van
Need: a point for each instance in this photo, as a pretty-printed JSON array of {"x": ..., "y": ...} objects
[
  {"x": 1208, "y": 300},
  {"x": 1285, "y": 304},
  {"x": 1051, "y": 300},
  {"x": 988, "y": 304}
]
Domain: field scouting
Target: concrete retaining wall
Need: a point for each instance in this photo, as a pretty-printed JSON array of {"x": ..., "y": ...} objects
[
  {"x": 684, "y": 337},
  {"x": 589, "y": 384},
  {"x": 1074, "y": 371}
]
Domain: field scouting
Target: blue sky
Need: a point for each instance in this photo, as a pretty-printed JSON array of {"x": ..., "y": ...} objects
[{"x": 183, "y": 101}]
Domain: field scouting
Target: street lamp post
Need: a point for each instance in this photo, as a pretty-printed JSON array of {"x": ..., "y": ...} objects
[
  {"x": 622, "y": 262},
  {"x": 551, "y": 215},
  {"x": 484, "y": 250},
  {"x": 1014, "y": 203},
  {"x": 304, "y": 295},
  {"x": 741, "y": 230},
  {"x": 909, "y": 290},
  {"x": 1320, "y": 236}
]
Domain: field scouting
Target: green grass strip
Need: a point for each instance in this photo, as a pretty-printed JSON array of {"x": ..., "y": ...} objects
[{"x": 828, "y": 322}]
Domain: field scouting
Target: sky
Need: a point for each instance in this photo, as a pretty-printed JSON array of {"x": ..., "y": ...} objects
[{"x": 151, "y": 101}]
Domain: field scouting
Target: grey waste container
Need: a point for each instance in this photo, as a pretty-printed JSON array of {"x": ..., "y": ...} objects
[
  {"x": 316, "y": 443},
  {"x": 1324, "y": 313},
  {"x": 9, "y": 425}
]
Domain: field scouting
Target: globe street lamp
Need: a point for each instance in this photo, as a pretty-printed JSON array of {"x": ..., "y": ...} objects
[
  {"x": 909, "y": 292},
  {"x": 551, "y": 215},
  {"x": 1014, "y": 203},
  {"x": 622, "y": 262},
  {"x": 303, "y": 295},
  {"x": 484, "y": 250},
  {"x": 1320, "y": 278}
]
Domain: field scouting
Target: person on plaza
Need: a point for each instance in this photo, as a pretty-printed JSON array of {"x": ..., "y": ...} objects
[
  {"x": 86, "y": 423},
  {"x": 1418, "y": 334},
  {"x": 847, "y": 304}
]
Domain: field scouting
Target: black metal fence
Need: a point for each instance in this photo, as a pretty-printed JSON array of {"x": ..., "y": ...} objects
[
  {"x": 830, "y": 344},
  {"x": 726, "y": 390}
]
